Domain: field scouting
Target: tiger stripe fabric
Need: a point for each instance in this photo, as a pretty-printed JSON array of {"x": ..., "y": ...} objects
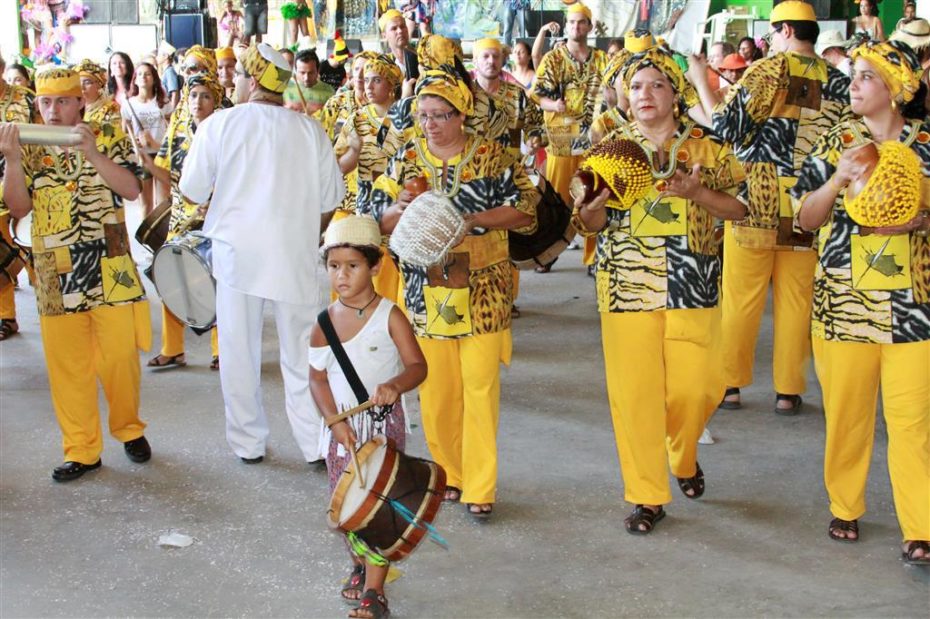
[
  {"x": 887, "y": 299},
  {"x": 372, "y": 161},
  {"x": 171, "y": 156}
]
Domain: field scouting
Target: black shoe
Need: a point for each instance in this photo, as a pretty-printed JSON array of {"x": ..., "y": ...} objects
[
  {"x": 318, "y": 465},
  {"x": 72, "y": 470},
  {"x": 138, "y": 450},
  {"x": 252, "y": 460},
  {"x": 591, "y": 270}
]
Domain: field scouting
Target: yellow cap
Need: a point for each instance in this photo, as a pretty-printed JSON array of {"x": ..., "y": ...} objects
[
  {"x": 225, "y": 53},
  {"x": 792, "y": 10},
  {"x": 388, "y": 17},
  {"x": 267, "y": 66},
  {"x": 579, "y": 8},
  {"x": 58, "y": 82},
  {"x": 486, "y": 43}
]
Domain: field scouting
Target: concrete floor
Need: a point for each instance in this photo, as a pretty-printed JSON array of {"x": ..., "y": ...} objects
[{"x": 755, "y": 545}]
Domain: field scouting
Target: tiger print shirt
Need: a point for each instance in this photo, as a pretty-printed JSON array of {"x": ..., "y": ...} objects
[
  {"x": 102, "y": 111},
  {"x": 772, "y": 117},
  {"x": 372, "y": 160},
  {"x": 507, "y": 116},
  {"x": 661, "y": 254},
  {"x": 867, "y": 287},
  {"x": 336, "y": 110},
  {"x": 171, "y": 156},
  {"x": 484, "y": 176},
  {"x": 580, "y": 85},
  {"x": 80, "y": 246},
  {"x": 17, "y": 105},
  {"x": 606, "y": 122}
]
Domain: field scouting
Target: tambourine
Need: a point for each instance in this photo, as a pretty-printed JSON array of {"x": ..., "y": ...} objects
[{"x": 620, "y": 165}]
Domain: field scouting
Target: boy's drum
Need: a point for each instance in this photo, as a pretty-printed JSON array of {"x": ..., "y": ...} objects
[
  {"x": 367, "y": 510},
  {"x": 182, "y": 271}
]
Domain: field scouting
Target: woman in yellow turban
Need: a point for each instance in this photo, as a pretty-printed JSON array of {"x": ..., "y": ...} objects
[{"x": 871, "y": 316}]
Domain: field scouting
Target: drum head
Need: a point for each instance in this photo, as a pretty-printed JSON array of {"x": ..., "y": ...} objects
[
  {"x": 355, "y": 493},
  {"x": 181, "y": 270},
  {"x": 21, "y": 231}
]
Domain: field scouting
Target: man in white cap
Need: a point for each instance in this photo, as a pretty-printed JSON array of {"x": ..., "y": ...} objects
[
  {"x": 169, "y": 76},
  {"x": 265, "y": 220},
  {"x": 831, "y": 46}
]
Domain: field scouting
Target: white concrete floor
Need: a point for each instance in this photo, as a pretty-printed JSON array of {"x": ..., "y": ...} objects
[{"x": 755, "y": 545}]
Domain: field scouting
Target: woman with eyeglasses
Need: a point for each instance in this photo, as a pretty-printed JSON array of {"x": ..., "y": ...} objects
[
  {"x": 871, "y": 316},
  {"x": 657, "y": 271},
  {"x": 461, "y": 311}
]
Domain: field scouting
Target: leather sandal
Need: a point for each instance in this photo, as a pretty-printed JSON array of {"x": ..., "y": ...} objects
[
  {"x": 909, "y": 552},
  {"x": 730, "y": 405},
  {"x": 795, "y": 408},
  {"x": 352, "y": 589},
  {"x": 372, "y": 604},
  {"x": 478, "y": 511},
  {"x": 452, "y": 495},
  {"x": 8, "y": 327},
  {"x": 838, "y": 525},
  {"x": 164, "y": 361},
  {"x": 642, "y": 521},
  {"x": 694, "y": 485},
  {"x": 215, "y": 363}
]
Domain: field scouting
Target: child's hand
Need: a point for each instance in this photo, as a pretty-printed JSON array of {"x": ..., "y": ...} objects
[
  {"x": 344, "y": 434},
  {"x": 385, "y": 393}
]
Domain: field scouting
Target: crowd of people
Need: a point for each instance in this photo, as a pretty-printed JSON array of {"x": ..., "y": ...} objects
[{"x": 758, "y": 179}]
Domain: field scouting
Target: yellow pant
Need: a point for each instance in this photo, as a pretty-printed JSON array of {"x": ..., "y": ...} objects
[
  {"x": 746, "y": 276},
  {"x": 82, "y": 348},
  {"x": 387, "y": 282},
  {"x": 172, "y": 336},
  {"x": 559, "y": 172},
  {"x": 850, "y": 374},
  {"x": 664, "y": 382},
  {"x": 460, "y": 407}
]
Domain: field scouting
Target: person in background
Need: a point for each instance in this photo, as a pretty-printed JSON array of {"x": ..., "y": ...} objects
[
  {"x": 516, "y": 15},
  {"x": 396, "y": 36},
  {"x": 868, "y": 22},
  {"x": 99, "y": 107},
  {"x": 831, "y": 46},
  {"x": 718, "y": 51},
  {"x": 170, "y": 82},
  {"x": 18, "y": 75},
  {"x": 147, "y": 112},
  {"x": 747, "y": 49},
  {"x": 313, "y": 93},
  {"x": 333, "y": 71},
  {"x": 119, "y": 80},
  {"x": 230, "y": 25},
  {"x": 732, "y": 69},
  {"x": 522, "y": 67},
  {"x": 910, "y": 14},
  {"x": 226, "y": 70},
  {"x": 296, "y": 14},
  {"x": 255, "y": 21}
]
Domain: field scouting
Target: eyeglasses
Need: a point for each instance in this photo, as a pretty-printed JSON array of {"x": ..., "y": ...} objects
[
  {"x": 438, "y": 118},
  {"x": 767, "y": 37}
]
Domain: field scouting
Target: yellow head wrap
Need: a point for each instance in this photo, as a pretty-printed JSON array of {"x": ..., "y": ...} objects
[
  {"x": 896, "y": 63},
  {"x": 224, "y": 53},
  {"x": 58, "y": 82},
  {"x": 434, "y": 51},
  {"x": 486, "y": 43},
  {"x": 211, "y": 84},
  {"x": 448, "y": 87},
  {"x": 203, "y": 56},
  {"x": 663, "y": 62},
  {"x": 579, "y": 8},
  {"x": 614, "y": 67},
  {"x": 638, "y": 41},
  {"x": 388, "y": 17},
  {"x": 792, "y": 10},
  {"x": 267, "y": 66},
  {"x": 90, "y": 69},
  {"x": 384, "y": 65}
]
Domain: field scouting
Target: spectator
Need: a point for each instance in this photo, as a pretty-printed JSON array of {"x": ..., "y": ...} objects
[
  {"x": 307, "y": 79},
  {"x": 169, "y": 76}
]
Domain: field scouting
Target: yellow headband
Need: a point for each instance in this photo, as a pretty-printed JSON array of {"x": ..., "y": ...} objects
[
  {"x": 203, "y": 56},
  {"x": 92, "y": 70},
  {"x": 486, "y": 43},
  {"x": 638, "y": 41},
  {"x": 792, "y": 10},
  {"x": 579, "y": 8},
  {"x": 224, "y": 53},
  {"x": 434, "y": 51},
  {"x": 385, "y": 66},
  {"x": 258, "y": 62},
  {"x": 388, "y": 17},
  {"x": 58, "y": 82},
  {"x": 662, "y": 62},
  {"x": 447, "y": 87},
  {"x": 897, "y": 65}
]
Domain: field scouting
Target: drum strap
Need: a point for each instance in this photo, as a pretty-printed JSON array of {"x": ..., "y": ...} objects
[{"x": 358, "y": 388}]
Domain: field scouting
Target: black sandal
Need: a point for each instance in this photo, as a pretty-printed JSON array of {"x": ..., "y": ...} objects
[
  {"x": 643, "y": 517},
  {"x": 795, "y": 400},
  {"x": 728, "y": 405},
  {"x": 176, "y": 361},
  {"x": 354, "y": 583},
  {"x": 8, "y": 328},
  {"x": 480, "y": 515},
  {"x": 838, "y": 525},
  {"x": 456, "y": 495},
  {"x": 907, "y": 555},
  {"x": 374, "y": 604},
  {"x": 695, "y": 484},
  {"x": 215, "y": 363}
]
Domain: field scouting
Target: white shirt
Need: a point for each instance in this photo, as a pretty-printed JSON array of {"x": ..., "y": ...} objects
[
  {"x": 152, "y": 118},
  {"x": 271, "y": 173}
]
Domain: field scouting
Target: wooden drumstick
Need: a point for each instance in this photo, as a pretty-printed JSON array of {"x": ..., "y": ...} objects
[
  {"x": 358, "y": 469},
  {"x": 364, "y": 406}
]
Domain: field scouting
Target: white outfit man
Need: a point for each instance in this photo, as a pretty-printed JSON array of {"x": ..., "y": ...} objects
[{"x": 272, "y": 175}]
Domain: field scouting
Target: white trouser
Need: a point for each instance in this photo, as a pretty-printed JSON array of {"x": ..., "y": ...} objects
[{"x": 239, "y": 323}]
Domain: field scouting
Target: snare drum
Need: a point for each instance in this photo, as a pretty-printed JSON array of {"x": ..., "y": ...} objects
[
  {"x": 554, "y": 231},
  {"x": 418, "y": 485},
  {"x": 153, "y": 231},
  {"x": 182, "y": 271}
]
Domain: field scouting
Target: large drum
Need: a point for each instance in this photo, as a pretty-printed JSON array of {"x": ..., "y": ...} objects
[
  {"x": 153, "y": 231},
  {"x": 370, "y": 510},
  {"x": 427, "y": 230},
  {"x": 554, "y": 231},
  {"x": 182, "y": 271},
  {"x": 21, "y": 231}
]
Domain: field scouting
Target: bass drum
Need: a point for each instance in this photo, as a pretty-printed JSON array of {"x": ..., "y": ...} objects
[
  {"x": 183, "y": 275},
  {"x": 153, "y": 231},
  {"x": 554, "y": 231}
]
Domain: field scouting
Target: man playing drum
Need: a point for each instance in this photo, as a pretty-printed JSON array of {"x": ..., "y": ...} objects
[
  {"x": 264, "y": 221},
  {"x": 92, "y": 309}
]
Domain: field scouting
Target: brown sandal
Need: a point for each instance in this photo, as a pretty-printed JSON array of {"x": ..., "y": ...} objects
[
  {"x": 215, "y": 363},
  {"x": 373, "y": 605},
  {"x": 838, "y": 525},
  {"x": 352, "y": 590},
  {"x": 909, "y": 553},
  {"x": 642, "y": 517},
  {"x": 176, "y": 361}
]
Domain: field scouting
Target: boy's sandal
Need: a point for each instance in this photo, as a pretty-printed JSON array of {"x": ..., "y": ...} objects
[
  {"x": 452, "y": 495},
  {"x": 373, "y": 605},
  {"x": 8, "y": 327},
  {"x": 164, "y": 361},
  {"x": 215, "y": 363},
  {"x": 693, "y": 485},
  {"x": 795, "y": 408},
  {"x": 642, "y": 521},
  {"x": 730, "y": 405},
  {"x": 352, "y": 590},
  {"x": 838, "y": 525},
  {"x": 482, "y": 513},
  {"x": 908, "y": 554}
]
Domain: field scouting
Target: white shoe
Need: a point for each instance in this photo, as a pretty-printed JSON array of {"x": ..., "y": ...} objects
[{"x": 706, "y": 438}]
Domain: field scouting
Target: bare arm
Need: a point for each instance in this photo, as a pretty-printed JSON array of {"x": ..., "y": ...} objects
[
  {"x": 323, "y": 394},
  {"x": 411, "y": 356},
  {"x": 818, "y": 204},
  {"x": 539, "y": 43},
  {"x": 15, "y": 194}
]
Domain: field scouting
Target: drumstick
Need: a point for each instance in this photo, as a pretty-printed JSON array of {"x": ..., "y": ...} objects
[
  {"x": 303, "y": 101},
  {"x": 358, "y": 469},
  {"x": 364, "y": 406}
]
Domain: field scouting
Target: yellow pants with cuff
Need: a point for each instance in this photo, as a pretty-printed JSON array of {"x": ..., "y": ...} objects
[
  {"x": 172, "y": 336},
  {"x": 82, "y": 348},
  {"x": 850, "y": 374},
  {"x": 746, "y": 276},
  {"x": 460, "y": 408},
  {"x": 664, "y": 381}
]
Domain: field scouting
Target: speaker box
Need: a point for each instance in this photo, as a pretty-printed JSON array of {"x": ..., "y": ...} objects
[
  {"x": 184, "y": 29},
  {"x": 112, "y": 12}
]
